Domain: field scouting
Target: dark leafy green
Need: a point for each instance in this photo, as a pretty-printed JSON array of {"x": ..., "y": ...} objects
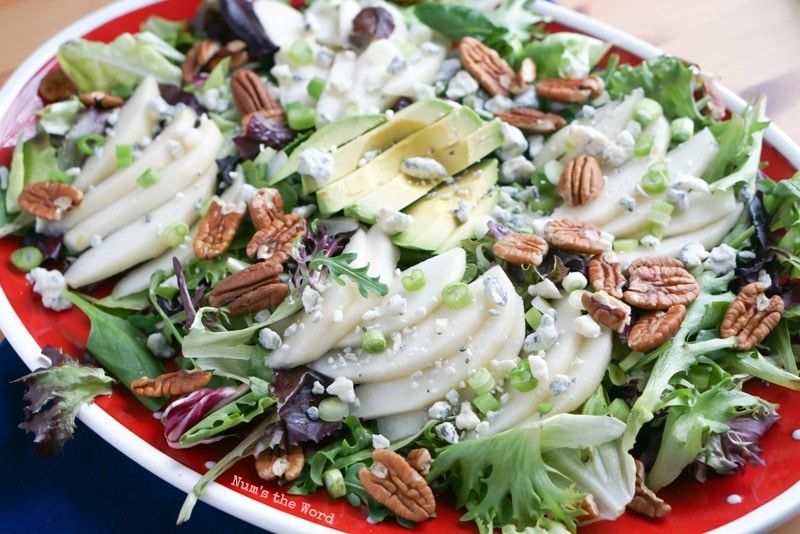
[{"x": 339, "y": 266}]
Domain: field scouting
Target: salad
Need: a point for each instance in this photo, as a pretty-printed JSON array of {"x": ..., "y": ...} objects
[{"x": 406, "y": 253}]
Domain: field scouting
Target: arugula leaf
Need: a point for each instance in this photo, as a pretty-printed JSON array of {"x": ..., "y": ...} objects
[
  {"x": 339, "y": 266},
  {"x": 55, "y": 395}
]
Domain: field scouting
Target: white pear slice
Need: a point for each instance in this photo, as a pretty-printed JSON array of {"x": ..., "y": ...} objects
[{"x": 282, "y": 23}]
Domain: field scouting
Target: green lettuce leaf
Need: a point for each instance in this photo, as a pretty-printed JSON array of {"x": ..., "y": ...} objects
[{"x": 565, "y": 54}]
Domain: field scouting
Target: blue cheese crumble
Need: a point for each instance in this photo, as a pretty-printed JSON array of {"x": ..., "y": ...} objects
[
  {"x": 316, "y": 164},
  {"x": 49, "y": 284},
  {"x": 423, "y": 168}
]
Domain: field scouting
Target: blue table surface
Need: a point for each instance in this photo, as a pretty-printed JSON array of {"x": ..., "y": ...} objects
[{"x": 89, "y": 487}]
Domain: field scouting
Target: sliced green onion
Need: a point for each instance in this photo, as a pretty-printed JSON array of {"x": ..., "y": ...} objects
[
  {"x": 299, "y": 116},
  {"x": 414, "y": 281},
  {"x": 124, "y": 156},
  {"x": 334, "y": 483},
  {"x": 88, "y": 143},
  {"x": 315, "y": 87},
  {"x": 26, "y": 258},
  {"x": 486, "y": 403},
  {"x": 457, "y": 295},
  {"x": 521, "y": 378},
  {"x": 544, "y": 408},
  {"x": 655, "y": 230},
  {"x": 647, "y": 111},
  {"x": 300, "y": 53},
  {"x": 625, "y": 245},
  {"x": 481, "y": 381},
  {"x": 661, "y": 212},
  {"x": 148, "y": 178},
  {"x": 533, "y": 317},
  {"x": 373, "y": 341},
  {"x": 656, "y": 179},
  {"x": 333, "y": 409},
  {"x": 681, "y": 129},
  {"x": 644, "y": 145},
  {"x": 174, "y": 233}
]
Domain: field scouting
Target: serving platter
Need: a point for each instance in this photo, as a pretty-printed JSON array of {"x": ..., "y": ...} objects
[{"x": 768, "y": 494}]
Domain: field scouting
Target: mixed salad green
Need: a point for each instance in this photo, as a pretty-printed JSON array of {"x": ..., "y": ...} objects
[{"x": 402, "y": 324}]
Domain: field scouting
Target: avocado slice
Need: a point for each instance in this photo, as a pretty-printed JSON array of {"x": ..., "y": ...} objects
[
  {"x": 332, "y": 134},
  {"x": 434, "y": 222},
  {"x": 468, "y": 230},
  {"x": 374, "y": 174},
  {"x": 405, "y": 122},
  {"x": 403, "y": 190}
]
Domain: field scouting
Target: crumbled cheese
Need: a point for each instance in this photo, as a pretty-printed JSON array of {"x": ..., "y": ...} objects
[
  {"x": 535, "y": 145},
  {"x": 392, "y": 222},
  {"x": 627, "y": 202},
  {"x": 446, "y": 431},
  {"x": 587, "y": 327},
  {"x": 317, "y": 388},
  {"x": 157, "y": 343},
  {"x": 527, "y": 99},
  {"x": 269, "y": 339},
  {"x": 765, "y": 278},
  {"x": 49, "y": 284},
  {"x": 97, "y": 239},
  {"x": 518, "y": 169},
  {"x": 461, "y": 85},
  {"x": 544, "y": 336},
  {"x": 514, "y": 142},
  {"x": 692, "y": 254},
  {"x": 545, "y": 289},
  {"x": 312, "y": 413},
  {"x": 573, "y": 281},
  {"x": 430, "y": 48},
  {"x": 453, "y": 397},
  {"x": 317, "y": 164},
  {"x": 650, "y": 241},
  {"x": 281, "y": 71},
  {"x": 338, "y": 315},
  {"x": 587, "y": 112},
  {"x": 560, "y": 384},
  {"x": 538, "y": 367},
  {"x": 494, "y": 291},
  {"x": 397, "y": 64},
  {"x": 290, "y": 330},
  {"x": 466, "y": 418},
  {"x": 379, "y": 441},
  {"x": 343, "y": 388},
  {"x": 440, "y": 325},
  {"x": 678, "y": 198},
  {"x": 371, "y": 315},
  {"x": 498, "y": 104},
  {"x": 587, "y": 140},
  {"x": 423, "y": 168},
  {"x": 440, "y": 410},
  {"x": 721, "y": 259},
  {"x": 311, "y": 299},
  {"x": 423, "y": 91},
  {"x": 448, "y": 69},
  {"x": 620, "y": 150}
]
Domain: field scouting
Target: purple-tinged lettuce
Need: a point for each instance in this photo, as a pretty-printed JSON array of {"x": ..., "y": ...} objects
[
  {"x": 187, "y": 411},
  {"x": 55, "y": 395},
  {"x": 263, "y": 132},
  {"x": 293, "y": 389}
]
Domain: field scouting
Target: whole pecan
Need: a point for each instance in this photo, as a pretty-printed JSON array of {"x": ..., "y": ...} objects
[
  {"x": 531, "y": 120},
  {"x": 491, "y": 71},
  {"x": 48, "y": 200},
  {"x": 101, "y": 100},
  {"x": 644, "y": 500},
  {"x": 751, "y": 316},
  {"x": 607, "y": 310},
  {"x": 571, "y": 90},
  {"x": 658, "y": 282},
  {"x": 177, "y": 383},
  {"x": 605, "y": 274},
  {"x": 274, "y": 242},
  {"x": 398, "y": 486},
  {"x": 251, "y": 95},
  {"x": 56, "y": 86},
  {"x": 655, "y": 327},
  {"x": 252, "y": 289},
  {"x": 276, "y": 463},
  {"x": 521, "y": 249},
  {"x": 575, "y": 235},
  {"x": 217, "y": 228},
  {"x": 582, "y": 180},
  {"x": 265, "y": 206}
]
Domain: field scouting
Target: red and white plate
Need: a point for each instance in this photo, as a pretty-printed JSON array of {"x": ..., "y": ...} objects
[{"x": 769, "y": 494}]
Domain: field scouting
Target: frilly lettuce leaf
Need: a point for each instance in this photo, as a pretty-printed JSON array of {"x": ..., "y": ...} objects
[
  {"x": 119, "y": 66},
  {"x": 565, "y": 54}
]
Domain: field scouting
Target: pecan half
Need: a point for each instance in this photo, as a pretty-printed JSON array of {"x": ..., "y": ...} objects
[
  {"x": 252, "y": 289},
  {"x": 101, "y": 100},
  {"x": 275, "y": 241},
  {"x": 531, "y": 120},
  {"x": 398, "y": 486},
  {"x": 420, "y": 460},
  {"x": 751, "y": 316},
  {"x": 571, "y": 90},
  {"x": 177, "y": 383},
  {"x": 521, "y": 249},
  {"x": 654, "y": 328},
  {"x": 276, "y": 463},
  {"x": 217, "y": 228},
  {"x": 644, "y": 500},
  {"x": 581, "y": 182},
  {"x": 206, "y": 54},
  {"x": 251, "y": 95},
  {"x": 607, "y": 310},
  {"x": 48, "y": 200},
  {"x": 525, "y": 76},
  {"x": 605, "y": 274},
  {"x": 575, "y": 235},
  {"x": 658, "y": 282},
  {"x": 56, "y": 86},
  {"x": 265, "y": 206},
  {"x": 493, "y": 73}
]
